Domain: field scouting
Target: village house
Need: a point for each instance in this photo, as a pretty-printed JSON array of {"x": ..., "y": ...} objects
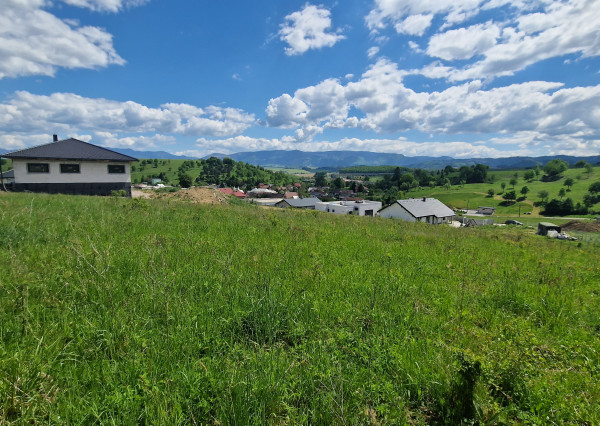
[
  {"x": 429, "y": 210},
  {"x": 359, "y": 208},
  {"x": 235, "y": 192},
  {"x": 71, "y": 166},
  {"x": 298, "y": 203}
]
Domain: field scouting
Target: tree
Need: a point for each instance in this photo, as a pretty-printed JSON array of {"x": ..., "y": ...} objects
[
  {"x": 338, "y": 183},
  {"x": 537, "y": 170},
  {"x": 543, "y": 195},
  {"x": 529, "y": 175},
  {"x": 562, "y": 193},
  {"x": 554, "y": 168},
  {"x": 491, "y": 192},
  {"x": 509, "y": 195},
  {"x": 594, "y": 188},
  {"x": 185, "y": 180},
  {"x": 589, "y": 169},
  {"x": 320, "y": 178},
  {"x": 524, "y": 191},
  {"x": 569, "y": 183},
  {"x": 580, "y": 164},
  {"x": 513, "y": 181},
  {"x": 503, "y": 186}
]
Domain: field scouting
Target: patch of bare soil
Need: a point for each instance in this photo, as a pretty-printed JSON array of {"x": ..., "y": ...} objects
[
  {"x": 198, "y": 195},
  {"x": 576, "y": 225}
]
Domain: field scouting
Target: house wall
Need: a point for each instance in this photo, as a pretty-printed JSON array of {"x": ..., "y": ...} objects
[
  {"x": 375, "y": 206},
  {"x": 90, "y": 171},
  {"x": 93, "y": 178},
  {"x": 396, "y": 211},
  {"x": 358, "y": 209}
]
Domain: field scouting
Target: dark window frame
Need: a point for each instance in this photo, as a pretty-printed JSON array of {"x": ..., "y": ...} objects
[
  {"x": 32, "y": 166},
  {"x": 113, "y": 167},
  {"x": 65, "y": 168}
]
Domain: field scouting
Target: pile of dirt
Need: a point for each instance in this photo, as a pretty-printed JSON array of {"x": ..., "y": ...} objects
[
  {"x": 576, "y": 225},
  {"x": 197, "y": 195}
]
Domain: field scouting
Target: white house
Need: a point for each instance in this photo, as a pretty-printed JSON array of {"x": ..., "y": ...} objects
[
  {"x": 424, "y": 209},
  {"x": 71, "y": 166},
  {"x": 359, "y": 208}
]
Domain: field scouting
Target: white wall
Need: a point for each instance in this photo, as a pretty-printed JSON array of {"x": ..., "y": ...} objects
[
  {"x": 397, "y": 212},
  {"x": 90, "y": 171}
]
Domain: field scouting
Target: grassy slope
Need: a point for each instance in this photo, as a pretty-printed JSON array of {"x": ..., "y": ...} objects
[
  {"x": 129, "y": 311},
  {"x": 170, "y": 169},
  {"x": 476, "y": 194}
]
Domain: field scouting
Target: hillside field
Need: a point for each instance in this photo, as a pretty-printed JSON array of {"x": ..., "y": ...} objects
[
  {"x": 134, "y": 311},
  {"x": 476, "y": 194}
]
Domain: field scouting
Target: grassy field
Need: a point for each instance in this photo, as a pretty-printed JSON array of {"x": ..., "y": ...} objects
[
  {"x": 475, "y": 195},
  {"x": 291, "y": 171},
  {"x": 124, "y": 311}
]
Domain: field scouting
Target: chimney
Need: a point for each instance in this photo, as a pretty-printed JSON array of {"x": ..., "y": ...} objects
[{"x": 54, "y": 138}]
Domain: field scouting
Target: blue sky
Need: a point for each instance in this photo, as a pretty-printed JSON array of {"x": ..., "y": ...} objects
[{"x": 464, "y": 78}]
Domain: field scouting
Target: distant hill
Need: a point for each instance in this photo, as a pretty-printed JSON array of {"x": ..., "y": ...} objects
[{"x": 338, "y": 159}]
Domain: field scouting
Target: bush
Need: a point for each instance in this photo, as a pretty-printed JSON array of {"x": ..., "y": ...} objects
[{"x": 118, "y": 193}]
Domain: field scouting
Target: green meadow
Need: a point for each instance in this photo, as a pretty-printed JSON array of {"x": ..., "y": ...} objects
[
  {"x": 476, "y": 194},
  {"x": 132, "y": 311}
]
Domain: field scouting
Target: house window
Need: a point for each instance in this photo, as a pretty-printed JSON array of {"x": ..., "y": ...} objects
[
  {"x": 116, "y": 168},
  {"x": 69, "y": 168},
  {"x": 38, "y": 167}
]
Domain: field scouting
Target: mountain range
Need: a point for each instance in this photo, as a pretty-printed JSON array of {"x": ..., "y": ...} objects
[
  {"x": 338, "y": 159},
  {"x": 333, "y": 160}
]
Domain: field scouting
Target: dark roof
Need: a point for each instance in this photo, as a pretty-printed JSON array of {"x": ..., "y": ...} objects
[
  {"x": 419, "y": 207},
  {"x": 9, "y": 174},
  {"x": 69, "y": 149}
]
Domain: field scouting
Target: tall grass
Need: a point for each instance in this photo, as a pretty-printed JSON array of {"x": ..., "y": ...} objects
[{"x": 134, "y": 311}]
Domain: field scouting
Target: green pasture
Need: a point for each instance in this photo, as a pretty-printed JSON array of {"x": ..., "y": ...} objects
[
  {"x": 169, "y": 167},
  {"x": 476, "y": 194},
  {"x": 132, "y": 311},
  {"x": 291, "y": 171}
]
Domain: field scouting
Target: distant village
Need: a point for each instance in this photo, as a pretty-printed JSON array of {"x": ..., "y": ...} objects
[{"x": 72, "y": 166}]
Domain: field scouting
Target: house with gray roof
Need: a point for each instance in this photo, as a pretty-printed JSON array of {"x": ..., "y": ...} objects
[
  {"x": 71, "y": 166},
  {"x": 298, "y": 203},
  {"x": 429, "y": 210}
]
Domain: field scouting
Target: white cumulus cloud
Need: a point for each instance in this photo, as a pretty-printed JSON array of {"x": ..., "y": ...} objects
[
  {"x": 67, "y": 113},
  {"x": 379, "y": 101},
  {"x": 33, "y": 41},
  {"x": 308, "y": 29}
]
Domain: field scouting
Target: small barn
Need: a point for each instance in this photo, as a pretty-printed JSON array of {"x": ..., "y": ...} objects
[
  {"x": 71, "y": 166},
  {"x": 428, "y": 210},
  {"x": 544, "y": 227}
]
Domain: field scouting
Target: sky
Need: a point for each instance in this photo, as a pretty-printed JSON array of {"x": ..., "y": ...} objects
[{"x": 463, "y": 78}]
